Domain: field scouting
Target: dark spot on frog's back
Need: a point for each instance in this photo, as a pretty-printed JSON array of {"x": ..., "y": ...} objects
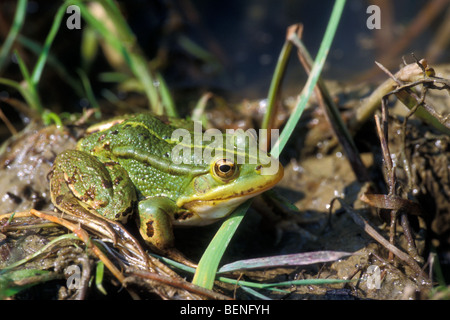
[
  {"x": 106, "y": 184},
  {"x": 110, "y": 163},
  {"x": 101, "y": 137},
  {"x": 73, "y": 178},
  {"x": 143, "y": 136},
  {"x": 117, "y": 180},
  {"x": 59, "y": 199},
  {"x": 88, "y": 195},
  {"x": 115, "y": 132}
]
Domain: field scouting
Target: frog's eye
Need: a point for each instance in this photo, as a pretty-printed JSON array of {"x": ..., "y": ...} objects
[{"x": 225, "y": 168}]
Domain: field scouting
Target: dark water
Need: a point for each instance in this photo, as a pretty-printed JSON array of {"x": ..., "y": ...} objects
[{"x": 247, "y": 37}]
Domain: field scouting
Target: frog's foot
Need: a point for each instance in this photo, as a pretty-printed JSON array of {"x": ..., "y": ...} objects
[
  {"x": 68, "y": 203},
  {"x": 92, "y": 191},
  {"x": 155, "y": 227}
]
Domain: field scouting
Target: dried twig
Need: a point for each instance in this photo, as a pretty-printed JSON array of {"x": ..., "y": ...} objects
[
  {"x": 331, "y": 112},
  {"x": 161, "y": 279},
  {"x": 177, "y": 283},
  {"x": 400, "y": 85},
  {"x": 83, "y": 235},
  {"x": 392, "y": 201},
  {"x": 367, "y": 227}
]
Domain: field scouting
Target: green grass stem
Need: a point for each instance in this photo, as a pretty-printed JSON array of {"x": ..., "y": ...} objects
[
  {"x": 312, "y": 79},
  {"x": 207, "y": 267},
  {"x": 125, "y": 43},
  {"x": 276, "y": 83},
  {"x": 38, "y": 252},
  {"x": 19, "y": 18},
  {"x": 39, "y": 67}
]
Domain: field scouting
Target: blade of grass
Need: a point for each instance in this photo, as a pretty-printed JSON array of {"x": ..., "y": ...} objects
[
  {"x": 198, "y": 113},
  {"x": 31, "y": 96},
  {"x": 34, "y": 101},
  {"x": 255, "y": 293},
  {"x": 30, "y": 92},
  {"x": 13, "y": 84},
  {"x": 38, "y": 252},
  {"x": 36, "y": 48},
  {"x": 274, "y": 90},
  {"x": 271, "y": 286},
  {"x": 99, "y": 272},
  {"x": 313, "y": 77},
  {"x": 276, "y": 81},
  {"x": 296, "y": 259},
  {"x": 18, "y": 280},
  {"x": 124, "y": 42},
  {"x": 437, "y": 270},
  {"x": 333, "y": 115},
  {"x": 146, "y": 77},
  {"x": 247, "y": 285},
  {"x": 39, "y": 67},
  {"x": 90, "y": 93},
  {"x": 48, "y": 117},
  {"x": 89, "y": 47},
  {"x": 166, "y": 97},
  {"x": 12, "y": 34},
  {"x": 197, "y": 51},
  {"x": 207, "y": 267},
  {"x": 115, "y": 13}
]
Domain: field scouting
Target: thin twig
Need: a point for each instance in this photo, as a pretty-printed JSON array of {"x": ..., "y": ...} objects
[
  {"x": 332, "y": 114},
  {"x": 85, "y": 238},
  {"x": 8, "y": 123},
  {"x": 179, "y": 283},
  {"x": 382, "y": 133},
  {"x": 366, "y": 226}
]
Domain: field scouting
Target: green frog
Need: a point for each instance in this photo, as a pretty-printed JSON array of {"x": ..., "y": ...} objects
[{"x": 128, "y": 166}]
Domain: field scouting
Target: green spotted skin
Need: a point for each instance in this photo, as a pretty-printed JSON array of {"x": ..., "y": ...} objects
[
  {"x": 126, "y": 166},
  {"x": 143, "y": 145}
]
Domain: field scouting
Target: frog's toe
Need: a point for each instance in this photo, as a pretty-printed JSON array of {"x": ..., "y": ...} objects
[{"x": 68, "y": 203}]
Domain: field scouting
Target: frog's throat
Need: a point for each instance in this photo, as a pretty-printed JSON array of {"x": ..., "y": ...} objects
[{"x": 209, "y": 211}]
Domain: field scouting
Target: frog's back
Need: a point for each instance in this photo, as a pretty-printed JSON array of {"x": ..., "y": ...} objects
[
  {"x": 142, "y": 132},
  {"x": 142, "y": 144}
]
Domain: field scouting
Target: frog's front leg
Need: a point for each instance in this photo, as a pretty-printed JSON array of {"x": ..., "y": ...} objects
[
  {"x": 83, "y": 186},
  {"x": 155, "y": 225}
]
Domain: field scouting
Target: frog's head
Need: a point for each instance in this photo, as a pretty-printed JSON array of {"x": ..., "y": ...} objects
[{"x": 228, "y": 181}]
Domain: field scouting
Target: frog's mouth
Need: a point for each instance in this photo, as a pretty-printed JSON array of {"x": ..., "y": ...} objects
[{"x": 209, "y": 209}]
